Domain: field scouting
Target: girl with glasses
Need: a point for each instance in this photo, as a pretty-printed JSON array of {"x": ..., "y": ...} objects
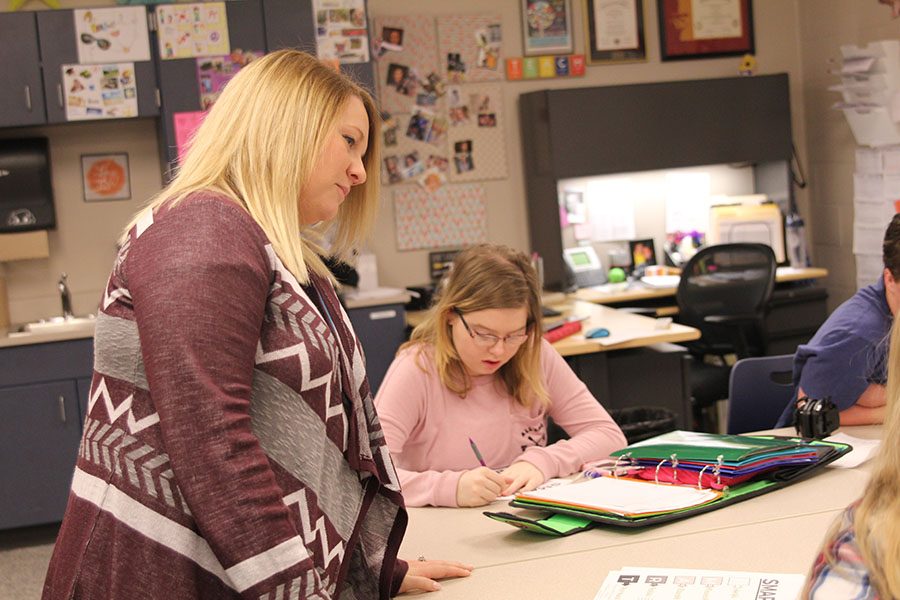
[{"x": 478, "y": 374}]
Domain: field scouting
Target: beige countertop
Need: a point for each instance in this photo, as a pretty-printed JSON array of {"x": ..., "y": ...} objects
[{"x": 85, "y": 330}]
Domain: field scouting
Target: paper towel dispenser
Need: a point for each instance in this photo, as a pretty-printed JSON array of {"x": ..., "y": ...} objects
[{"x": 26, "y": 194}]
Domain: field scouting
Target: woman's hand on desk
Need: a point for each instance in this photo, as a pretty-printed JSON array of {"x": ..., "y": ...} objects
[
  {"x": 422, "y": 574},
  {"x": 480, "y": 486},
  {"x": 523, "y": 477}
]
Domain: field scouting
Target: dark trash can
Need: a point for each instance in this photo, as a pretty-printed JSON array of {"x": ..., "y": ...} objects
[{"x": 643, "y": 422}]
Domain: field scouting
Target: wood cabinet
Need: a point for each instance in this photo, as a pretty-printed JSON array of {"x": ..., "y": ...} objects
[
  {"x": 21, "y": 92},
  {"x": 43, "y": 397}
]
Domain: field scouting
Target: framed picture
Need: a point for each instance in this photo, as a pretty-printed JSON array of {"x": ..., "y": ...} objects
[
  {"x": 105, "y": 177},
  {"x": 705, "y": 29},
  {"x": 547, "y": 27},
  {"x": 643, "y": 253},
  {"x": 614, "y": 30}
]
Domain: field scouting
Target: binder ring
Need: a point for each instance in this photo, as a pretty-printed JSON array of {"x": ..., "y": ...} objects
[
  {"x": 718, "y": 470},
  {"x": 672, "y": 459},
  {"x": 627, "y": 457},
  {"x": 700, "y": 477}
]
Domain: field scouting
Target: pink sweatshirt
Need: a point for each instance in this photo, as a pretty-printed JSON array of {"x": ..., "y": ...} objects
[{"x": 427, "y": 427}]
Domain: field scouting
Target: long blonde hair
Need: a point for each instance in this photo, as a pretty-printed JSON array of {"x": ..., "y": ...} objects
[
  {"x": 483, "y": 277},
  {"x": 877, "y": 518},
  {"x": 259, "y": 144}
]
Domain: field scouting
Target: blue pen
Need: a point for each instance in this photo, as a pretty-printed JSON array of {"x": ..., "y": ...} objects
[{"x": 477, "y": 453}]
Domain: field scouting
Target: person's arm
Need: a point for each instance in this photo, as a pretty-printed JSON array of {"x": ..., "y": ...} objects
[
  {"x": 592, "y": 432},
  {"x": 400, "y": 404},
  {"x": 869, "y": 408},
  {"x": 199, "y": 284}
]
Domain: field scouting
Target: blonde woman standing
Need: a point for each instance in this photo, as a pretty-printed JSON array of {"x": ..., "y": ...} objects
[
  {"x": 231, "y": 447},
  {"x": 478, "y": 369},
  {"x": 861, "y": 554}
]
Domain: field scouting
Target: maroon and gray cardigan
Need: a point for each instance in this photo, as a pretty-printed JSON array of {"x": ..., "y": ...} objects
[{"x": 231, "y": 448}]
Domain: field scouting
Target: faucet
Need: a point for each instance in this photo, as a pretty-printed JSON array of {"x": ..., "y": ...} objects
[{"x": 65, "y": 296}]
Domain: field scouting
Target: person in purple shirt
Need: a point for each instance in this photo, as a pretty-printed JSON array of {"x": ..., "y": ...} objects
[{"x": 845, "y": 359}]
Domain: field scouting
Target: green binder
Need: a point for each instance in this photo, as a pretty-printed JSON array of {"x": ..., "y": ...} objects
[{"x": 738, "y": 449}]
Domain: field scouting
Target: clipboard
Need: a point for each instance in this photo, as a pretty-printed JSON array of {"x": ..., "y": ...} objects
[{"x": 586, "y": 518}]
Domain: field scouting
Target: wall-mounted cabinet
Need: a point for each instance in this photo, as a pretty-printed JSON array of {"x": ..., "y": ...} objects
[
  {"x": 21, "y": 92},
  {"x": 584, "y": 132},
  {"x": 56, "y": 31}
]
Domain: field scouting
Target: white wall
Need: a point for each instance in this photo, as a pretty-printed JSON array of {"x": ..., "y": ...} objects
[
  {"x": 83, "y": 243},
  {"x": 824, "y": 26}
]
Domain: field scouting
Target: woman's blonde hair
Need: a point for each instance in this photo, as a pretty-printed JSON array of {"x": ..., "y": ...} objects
[
  {"x": 877, "y": 518},
  {"x": 260, "y": 143},
  {"x": 483, "y": 277}
]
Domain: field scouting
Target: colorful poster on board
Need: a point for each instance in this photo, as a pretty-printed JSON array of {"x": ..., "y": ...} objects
[
  {"x": 189, "y": 30},
  {"x": 99, "y": 91},
  {"x": 213, "y": 72},
  {"x": 108, "y": 35},
  {"x": 341, "y": 30}
]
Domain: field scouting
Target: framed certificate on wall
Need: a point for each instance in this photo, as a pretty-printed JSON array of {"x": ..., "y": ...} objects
[
  {"x": 705, "y": 28},
  {"x": 614, "y": 30}
]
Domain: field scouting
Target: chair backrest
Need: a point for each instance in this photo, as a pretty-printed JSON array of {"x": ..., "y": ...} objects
[
  {"x": 758, "y": 391},
  {"x": 727, "y": 280}
]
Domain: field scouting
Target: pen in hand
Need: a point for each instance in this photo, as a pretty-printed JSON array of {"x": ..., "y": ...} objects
[{"x": 477, "y": 453}]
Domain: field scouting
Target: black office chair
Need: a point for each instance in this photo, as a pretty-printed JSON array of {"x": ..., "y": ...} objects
[
  {"x": 760, "y": 389},
  {"x": 724, "y": 292}
]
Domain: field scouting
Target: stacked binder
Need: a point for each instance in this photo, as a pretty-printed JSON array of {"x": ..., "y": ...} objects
[{"x": 673, "y": 476}]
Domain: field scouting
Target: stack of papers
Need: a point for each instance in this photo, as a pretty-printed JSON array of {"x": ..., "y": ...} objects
[
  {"x": 622, "y": 497},
  {"x": 661, "y": 281}
]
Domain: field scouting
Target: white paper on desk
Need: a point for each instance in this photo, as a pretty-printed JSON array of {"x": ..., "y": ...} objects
[
  {"x": 862, "y": 451},
  {"x": 379, "y": 292},
  {"x": 639, "y": 583},
  {"x": 661, "y": 281},
  {"x": 625, "y": 497}
]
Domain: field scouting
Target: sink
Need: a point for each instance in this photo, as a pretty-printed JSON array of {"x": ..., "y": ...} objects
[{"x": 60, "y": 325}]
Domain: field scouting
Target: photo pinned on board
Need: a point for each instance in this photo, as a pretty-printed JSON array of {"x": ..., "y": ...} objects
[
  {"x": 432, "y": 179},
  {"x": 389, "y": 128},
  {"x": 412, "y": 166},
  {"x": 392, "y": 38},
  {"x": 456, "y": 68},
  {"x": 392, "y": 168},
  {"x": 438, "y": 131},
  {"x": 396, "y": 75},
  {"x": 462, "y": 156},
  {"x": 441, "y": 163},
  {"x": 419, "y": 125},
  {"x": 487, "y": 120},
  {"x": 488, "y": 50}
]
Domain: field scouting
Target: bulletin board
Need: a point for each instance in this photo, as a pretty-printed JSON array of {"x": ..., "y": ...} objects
[
  {"x": 432, "y": 136},
  {"x": 451, "y": 216}
]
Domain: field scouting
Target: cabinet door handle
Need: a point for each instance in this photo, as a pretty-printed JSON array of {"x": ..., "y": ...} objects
[
  {"x": 62, "y": 409},
  {"x": 377, "y": 315},
  {"x": 59, "y": 96},
  {"x": 28, "y": 97}
]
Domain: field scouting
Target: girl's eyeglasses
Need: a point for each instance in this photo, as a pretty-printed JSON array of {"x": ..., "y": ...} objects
[{"x": 489, "y": 340}]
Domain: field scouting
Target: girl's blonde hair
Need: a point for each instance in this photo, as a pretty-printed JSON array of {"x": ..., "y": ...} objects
[
  {"x": 260, "y": 143},
  {"x": 483, "y": 277},
  {"x": 877, "y": 518}
]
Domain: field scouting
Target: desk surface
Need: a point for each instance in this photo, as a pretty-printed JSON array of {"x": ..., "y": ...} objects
[
  {"x": 632, "y": 292},
  {"x": 626, "y": 330},
  {"x": 780, "y": 532}
]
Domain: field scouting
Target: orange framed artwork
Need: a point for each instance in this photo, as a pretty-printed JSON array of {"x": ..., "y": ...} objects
[
  {"x": 105, "y": 177},
  {"x": 706, "y": 29}
]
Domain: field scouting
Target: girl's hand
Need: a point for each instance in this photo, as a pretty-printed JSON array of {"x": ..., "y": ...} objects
[
  {"x": 479, "y": 487},
  {"x": 523, "y": 476},
  {"x": 422, "y": 574}
]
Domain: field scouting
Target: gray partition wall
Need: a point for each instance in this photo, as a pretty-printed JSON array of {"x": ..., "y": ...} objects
[{"x": 627, "y": 128}]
